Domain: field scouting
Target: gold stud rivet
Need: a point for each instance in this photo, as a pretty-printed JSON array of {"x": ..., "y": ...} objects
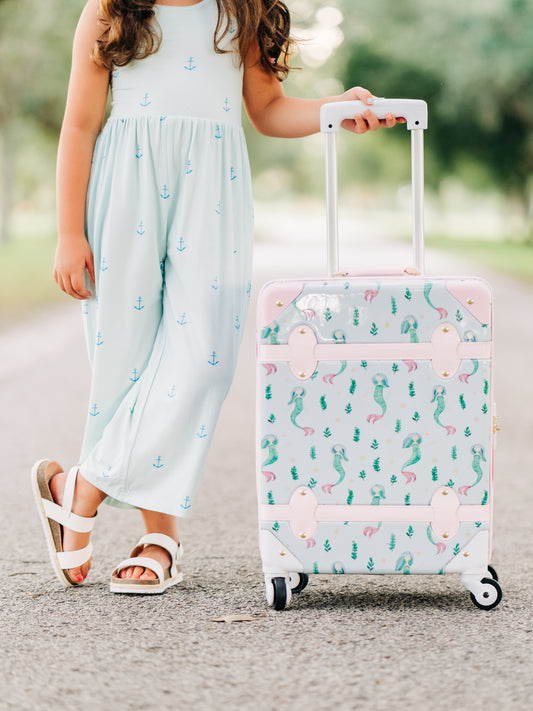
[
  {"x": 446, "y": 329},
  {"x": 303, "y": 535},
  {"x": 303, "y": 493},
  {"x": 445, "y": 535},
  {"x": 445, "y": 492},
  {"x": 279, "y": 303},
  {"x": 466, "y": 554},
  {"x": 446, "y": 374},
  {"x": 303, "y": 330},
  {"x": 302, "y": 374},
  {"x": 282, "y": 552},
  {"x": 470, "y": 301}
]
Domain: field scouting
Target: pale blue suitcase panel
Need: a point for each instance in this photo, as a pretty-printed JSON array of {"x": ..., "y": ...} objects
[{"x": 400, "y": 446}]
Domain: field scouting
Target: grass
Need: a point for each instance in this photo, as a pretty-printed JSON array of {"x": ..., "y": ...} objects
[
  {"x": 26, "y": 281},
  {"x": 507, "y": 256}
]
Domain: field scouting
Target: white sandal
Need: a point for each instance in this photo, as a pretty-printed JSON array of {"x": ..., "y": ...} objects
[
  {"x": 165, "y": 578},
  {"x": 55, "y": 517}
]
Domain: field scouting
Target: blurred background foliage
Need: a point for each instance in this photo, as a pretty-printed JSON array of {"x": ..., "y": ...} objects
[{"x": 471, "y": 61}]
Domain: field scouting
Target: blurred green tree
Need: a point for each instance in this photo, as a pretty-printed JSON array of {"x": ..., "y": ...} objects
[{"x": 472, "y": 62}]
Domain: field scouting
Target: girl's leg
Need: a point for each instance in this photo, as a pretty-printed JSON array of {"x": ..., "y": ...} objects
[
  {"x": 154, "y": 522},
  {"x": 86, "y": 500}
]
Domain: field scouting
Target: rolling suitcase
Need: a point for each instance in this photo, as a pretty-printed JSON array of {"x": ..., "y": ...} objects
[{"x": 375, "y": 415}]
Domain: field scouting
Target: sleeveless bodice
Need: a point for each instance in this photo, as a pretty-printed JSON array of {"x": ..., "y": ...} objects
[{"x": 185, "y": 77}]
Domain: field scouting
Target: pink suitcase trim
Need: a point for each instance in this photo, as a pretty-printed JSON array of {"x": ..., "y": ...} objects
[
  {"x": 445, "y": 513},
  {"x": 445, "y": 351}
]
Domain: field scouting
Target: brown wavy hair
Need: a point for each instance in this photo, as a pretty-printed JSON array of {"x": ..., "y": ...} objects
[{"x": 131, "y": 33}]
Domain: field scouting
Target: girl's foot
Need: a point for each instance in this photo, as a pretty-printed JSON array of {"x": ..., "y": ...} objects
[
  {"x": 154, "y": 522},
  {"x": 161, "y": 555}
]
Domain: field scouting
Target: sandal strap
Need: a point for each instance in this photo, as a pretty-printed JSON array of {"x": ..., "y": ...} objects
[
  {"x": 79, "y": 524},
  {"x": 70, "y": 485},
  {"x": 174, "y": 550},
  {"x": 74, "y": 559},
  {"x": 142, "y": 562}
]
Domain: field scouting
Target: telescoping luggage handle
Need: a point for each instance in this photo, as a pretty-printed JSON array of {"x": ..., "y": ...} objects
[{"x": 416, "y": 115}]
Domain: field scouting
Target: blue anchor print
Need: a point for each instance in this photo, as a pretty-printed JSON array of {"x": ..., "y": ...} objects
[
  {"x": 164, "y": 193},
  {"x": 172, "y": 392},
  {"x": 106, "y": 473},
  {"x": 135, "y": 376},
  {"x": 213, "y": 360},
  {"x": 140, "y": 305},
  {"x": 99, "y": 339},
  {"x": 146, "y": 100},
  {"x": 249, "y": 288},
  {"x": 158, "y": 464},
  {"x": 94, "y": 411},
  {"x": 235, "y": 251},
  {"x": 115, "y": 74},
  {"x": 139, "y": 153},
  {"x": 140, "y": 229},
  {"x": 186, "y": 503},
  {"x": 132, "y": 409},
  {"x": 218, "y": 133},
  {"x": 214, "y": 285},
  {"x": 226, "y": 105},
  {"x": 162, "y": 118},
  {"x": 218, "y": 208},
  {"x": 182, "y": 321},
  {"x": 103, "y": 265},
  {"x": 85, "y": 308},
  {"x": 181, "y": 245},
  {"x": 188, "y": 169},
  {"x": 233, "y": 174},
  {"x": 202, "y": 433},
  {"x": 189, "y": 66},
  {"x": 237, "y": 323}
]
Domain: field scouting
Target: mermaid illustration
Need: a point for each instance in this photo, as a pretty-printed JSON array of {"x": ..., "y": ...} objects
[
  {"x": 380, "y": 381},
  {"x": 441, "y": 547},
  {"x": 269, "y": 442},
  {"x": 272, "y": 333},
  {"x": 404, "y": 563},
  {"x": 338, "y": 337},
  {"x": 464, "y": 377},
  {"x": 479, "y": 455},
  {"x": 339, "y": 455},
  {"x": 427, "y": 290},
  {"x": 413, "y": 441},
  {"x": 297, "y": 400},
  {"x": 438, "y": 396},
  {"x": 378, "y": 493},
  {"x": 410, "y": 325}
]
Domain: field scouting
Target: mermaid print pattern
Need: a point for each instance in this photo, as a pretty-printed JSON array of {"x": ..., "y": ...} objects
[{"x": 398, "y": 433}]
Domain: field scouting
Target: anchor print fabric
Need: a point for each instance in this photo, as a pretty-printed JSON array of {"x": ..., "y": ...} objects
[
  {"x": 374, "y": 433},
  {"x": 170, "y": 222}
]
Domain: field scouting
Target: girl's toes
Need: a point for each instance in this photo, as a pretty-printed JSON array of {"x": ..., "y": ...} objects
[
  {"x": 77, "y": 574},
  {"x": 137, "y": 572},
  {"x": 148, "y": 575}
]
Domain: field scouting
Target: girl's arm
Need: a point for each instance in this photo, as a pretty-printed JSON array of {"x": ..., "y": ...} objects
[
  {"x": 84, "y": 115},
  {"x": 274, "y": 114}
]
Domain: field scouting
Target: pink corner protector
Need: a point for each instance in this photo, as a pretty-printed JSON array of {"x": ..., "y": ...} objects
[
  {"x": 475, "y": 296},
  {"x": 274, "y": 299}
]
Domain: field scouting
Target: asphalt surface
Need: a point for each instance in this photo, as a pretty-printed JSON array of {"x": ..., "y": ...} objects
[{"x": 212, "y": 643}]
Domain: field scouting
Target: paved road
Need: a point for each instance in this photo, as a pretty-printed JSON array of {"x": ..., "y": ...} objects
[{"x": 345, "y": 643}]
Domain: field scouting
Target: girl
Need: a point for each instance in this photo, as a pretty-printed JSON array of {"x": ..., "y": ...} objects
[{"x": 156, "y": 209}]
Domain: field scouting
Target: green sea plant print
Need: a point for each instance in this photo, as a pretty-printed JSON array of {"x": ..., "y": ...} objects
[
  {"x": 270, "y": 498},
  {"x": 450, "y": 483},
  {"x": 276, "y": 526},
  {"x": 375, "y": 444},
  {"x": 268, "y": 392},
  {"x": 408, "y": 295},
  {"x": 312, "y": 452},
  {"x": 394, "y": 479},
  {"x": 315, "y": 567},
  {"x": 462, "y": 401},
  {"x": 484, "y": 409},
  {"x": 354, "y": 550},
  {"x": 373, "y": 330},
  {"x": 454, "y": 452},
  {"x": 485, "y": 387},
  {"x": 294, "y": 473},
  {"x": 395, "y": 368},
  {"x": 323, "y": 403},
  {"x": 349, "y": 498},
  {"x": 348, "y": 409},
  {"x": 271, "y": 419},
  {"x": 362, "y": 474},
  {"x": 327, "y": 432},
  {"x": 327, "y": 546},
  {"x": 370, "y": 565},
  {"x": 312, "y": 483},
  {"x": 416, "y": 417},
  {"x": 353, "y": 385},
  {"x": 434, "y": 474},
  {"x": 468, "y": 432},
  {"x": 392, "y": 542},
  {"x": 485, "y": 498},
  {"x": 458, "y": 316},
  {"x": 393, "y": 306},
  {"x": 456, "y": 549},
  {"x": 412, "y": 391},
  {"x": 407, "y": 500},
  {"x": 327, "y": 314},
  {"x": 410, "y": 532},
  {"x": 356, "y": 434},
  {"x": 364, "y": 364},
  {"x": 356, "y": 317},
  {"x": 376, "y": 465},
  {"x": 398, "y": 426}
]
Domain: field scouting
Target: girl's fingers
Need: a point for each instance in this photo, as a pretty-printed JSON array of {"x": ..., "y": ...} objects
[
  {"x": 372, "y": 120},
  {"x": 90, "y": 268},
  {"x": 360, "y": 124},
  {"x": 363, "y": 95},
  {"x": 78, "y": 287}
]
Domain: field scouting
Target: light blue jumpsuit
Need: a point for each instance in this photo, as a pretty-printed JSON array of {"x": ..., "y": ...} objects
[{"x": 170, "y": 222}]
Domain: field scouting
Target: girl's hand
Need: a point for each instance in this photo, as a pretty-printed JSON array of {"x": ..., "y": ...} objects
[
  {"x": 361, "y": 123},
  {"x": 73, "y": 257}
]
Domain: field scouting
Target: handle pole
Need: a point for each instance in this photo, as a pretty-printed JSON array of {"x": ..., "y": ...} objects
[
  {"x": 417, "y": 173},
  {"x": 332, "y": 203}
]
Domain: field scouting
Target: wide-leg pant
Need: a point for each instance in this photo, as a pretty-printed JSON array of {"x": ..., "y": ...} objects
[{"x": 170, "y": 222}]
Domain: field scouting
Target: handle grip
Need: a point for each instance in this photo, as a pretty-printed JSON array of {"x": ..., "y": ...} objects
[{"x": 415, "y": 111}]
